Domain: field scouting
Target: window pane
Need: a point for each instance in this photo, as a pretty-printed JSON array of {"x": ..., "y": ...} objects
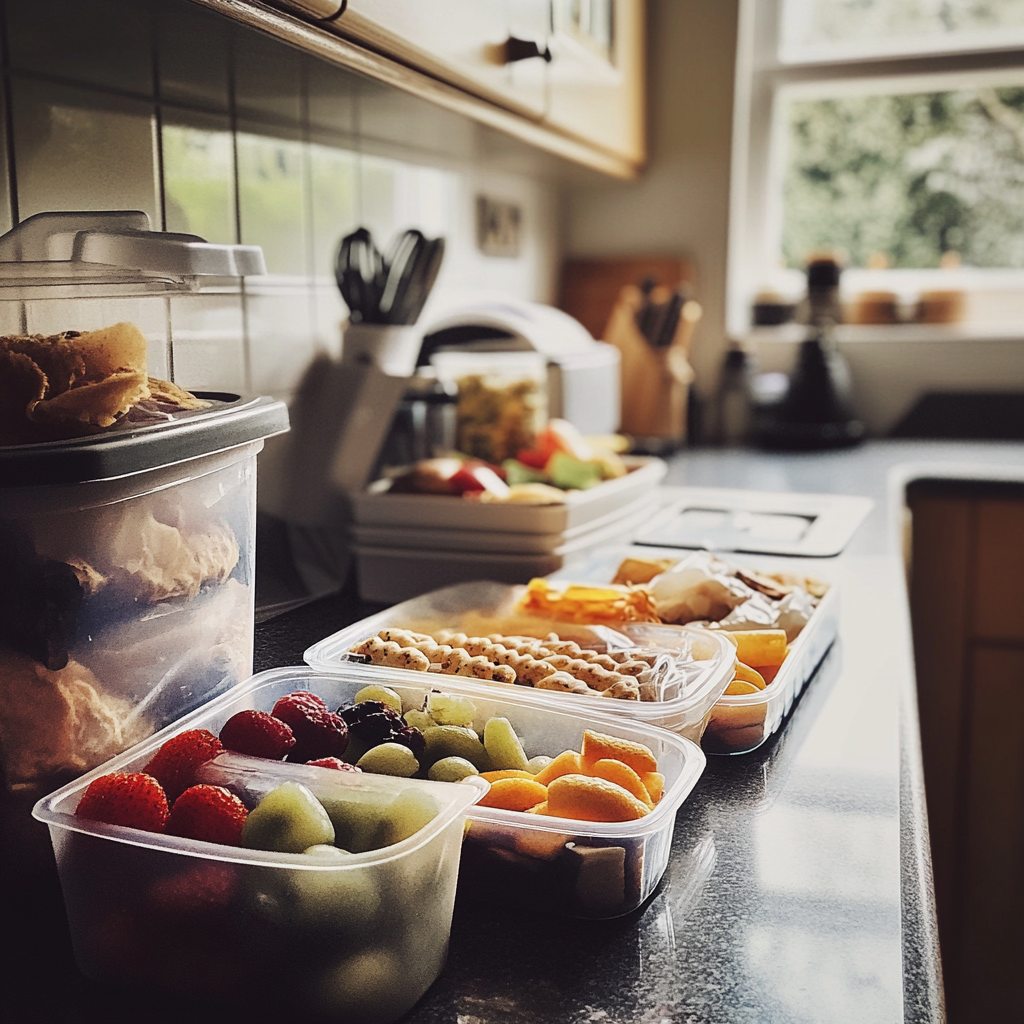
[
  {"x": 837, "y": 29},
  {"x": 907, "y": 177}
]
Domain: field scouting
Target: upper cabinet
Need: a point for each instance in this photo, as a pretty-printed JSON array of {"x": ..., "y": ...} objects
[
  {"x": 596, "y": 75},
  {"x": 469, "y": 43},
  {"x": 564, "y": 75}
]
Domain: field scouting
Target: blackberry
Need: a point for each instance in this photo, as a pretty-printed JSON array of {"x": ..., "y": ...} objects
[{"x": 373, "y": 722}]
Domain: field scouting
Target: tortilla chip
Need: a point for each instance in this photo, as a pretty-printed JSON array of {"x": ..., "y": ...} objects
[
  {"x": 98, "y": 404},
  {"x": 170, "y": 394}
]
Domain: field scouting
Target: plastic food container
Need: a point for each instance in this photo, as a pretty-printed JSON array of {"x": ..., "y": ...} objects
[
  {"x": 126, "y": 557},
  {"x": 502, "y": 400},
  {"x": 687, "y": 700},
  {"x": 550, "y": 860},
  {"x": 580, "y": 508},
  {"x": 391, "y": 569},
  {"x": 356, "y": 942},
  {"x": 741, "y": 723}
]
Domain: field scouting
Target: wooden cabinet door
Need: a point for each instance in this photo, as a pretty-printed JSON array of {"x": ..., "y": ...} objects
[
  {"x": 458, "y": 41},
  {"x": 967, "y": 603},
  {"x": 597, "y": 74}
]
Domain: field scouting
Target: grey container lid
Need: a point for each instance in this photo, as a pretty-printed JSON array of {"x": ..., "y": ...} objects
[{"x": 126, "y": 449}]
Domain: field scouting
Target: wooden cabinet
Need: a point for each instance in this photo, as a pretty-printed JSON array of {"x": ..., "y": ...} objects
[
  {"x": 461, "y": 41},
  {"x": 566, "y": 75},
  {"x": 597, "y": 74},
  {"x": 967, "y": 602}
]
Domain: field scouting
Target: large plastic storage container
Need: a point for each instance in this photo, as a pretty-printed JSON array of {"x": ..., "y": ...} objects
[{"x": 127, "y": 555}]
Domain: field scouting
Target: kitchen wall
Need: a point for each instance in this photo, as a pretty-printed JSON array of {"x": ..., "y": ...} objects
[
  {"x": 681, "y": 204},
  {"x": 214, "y": 129}
]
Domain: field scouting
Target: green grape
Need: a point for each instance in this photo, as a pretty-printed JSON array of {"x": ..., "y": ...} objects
[
  {"x": 503, "y": 746},
  {"x": 346, "y": 899},
  {"x": 410, "y": 811},
  {"x": 449, "y": 709},
  {"x": 288, "y": 819},
  {"x": 359, "y": 823},
  {"x": 390, "y": 759},
  {"x": 419, "y": 720},
  {"x": 454, "y": 741},
  {"x": 451, "y": 769},
  {"x": 382, "y": 693},
  {"x": 538, "y": 763}
]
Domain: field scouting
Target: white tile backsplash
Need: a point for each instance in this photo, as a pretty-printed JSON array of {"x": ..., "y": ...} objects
[
  {"x": 279, "y": 330},
  {"x": 333, "y": 186},
  {"x": 209, "y": 349},
  {"x": 273, "y": 202},
  {"x": 199, "y": 174},
  {"x": 82, "y": 149},
  {"x": 193, "y": 57},
  {"x": 107, "y": 43}
]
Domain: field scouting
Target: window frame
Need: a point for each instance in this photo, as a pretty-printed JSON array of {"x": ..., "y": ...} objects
[{"x": 763, "y": 82}]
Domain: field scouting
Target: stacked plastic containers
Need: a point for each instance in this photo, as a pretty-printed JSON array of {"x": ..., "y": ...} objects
[
  {"x": 535, "y": 858},
  {"x": 408, "y": 544},
  {"x": 127, "y": 555}
]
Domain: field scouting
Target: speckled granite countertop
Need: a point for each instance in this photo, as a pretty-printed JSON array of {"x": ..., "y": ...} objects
[{"x": 799, "y": 888}]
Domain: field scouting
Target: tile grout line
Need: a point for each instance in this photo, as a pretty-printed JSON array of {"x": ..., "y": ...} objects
[
  {"x": 160, "y": 177},
  {"x": 233, "y": 120},
  {"x": 12, "y": 168}
]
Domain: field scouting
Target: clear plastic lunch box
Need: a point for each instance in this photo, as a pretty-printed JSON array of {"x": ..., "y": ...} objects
[
  {"x": 356, "y": 942},
  {"x": 703, "y": 665},
  {"x": 740, "y": 723}
]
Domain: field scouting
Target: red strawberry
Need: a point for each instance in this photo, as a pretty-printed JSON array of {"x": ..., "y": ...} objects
[
  {"x": 335, "y": 762},
  {"x": 257, "y": 733},
  {"x": 318, "y": 731},
  {"x": 126, "y": 798},
  {"x": 175, "y": 764},
  {"x": 208, "y": 813}
]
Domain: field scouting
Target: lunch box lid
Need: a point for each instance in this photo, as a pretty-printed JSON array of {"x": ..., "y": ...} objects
[
  {"x": 230, "y": 421},
  {"x": 115, "y": 247}
]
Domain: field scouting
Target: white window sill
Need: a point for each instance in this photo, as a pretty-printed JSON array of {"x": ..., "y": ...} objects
[{"x": 793, "y": 333}]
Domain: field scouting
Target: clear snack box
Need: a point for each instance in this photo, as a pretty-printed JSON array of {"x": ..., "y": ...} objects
[
  {"x": 697, "y": 666},
  {"x": 356, "y": 941},
  {"x": 126, "y": 556},
  {"x": 740, "y": 723}
]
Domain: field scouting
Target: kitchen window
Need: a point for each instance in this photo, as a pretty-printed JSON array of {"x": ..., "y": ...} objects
[{"x": 891, "y": 131}]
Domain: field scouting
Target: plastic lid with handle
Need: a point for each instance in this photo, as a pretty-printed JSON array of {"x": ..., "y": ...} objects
[{"x": 116, "y": 247}]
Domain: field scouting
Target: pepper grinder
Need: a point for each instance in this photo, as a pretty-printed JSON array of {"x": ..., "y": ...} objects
[{"x": 816, "y": 412}]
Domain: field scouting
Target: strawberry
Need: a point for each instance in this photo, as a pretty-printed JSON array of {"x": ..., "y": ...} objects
[
  {"x": 335, "y": 762},
  {"x": 257, "y": 733},
  {"x": 175, "y": 764},
  {"x": 208, "y": 813},
  {"x": 126, "y": 798},
  {"x": 318, "y": 731}
]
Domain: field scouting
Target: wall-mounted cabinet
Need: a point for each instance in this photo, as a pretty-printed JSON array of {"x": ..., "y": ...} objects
[
  {"x": 464, "y": 42},
  {"x": 564, "y": 75},
  {"x": 597, "y": 74}
]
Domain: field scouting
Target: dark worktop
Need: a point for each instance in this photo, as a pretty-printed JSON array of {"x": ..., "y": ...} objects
[{"x": 799, "y": 884}]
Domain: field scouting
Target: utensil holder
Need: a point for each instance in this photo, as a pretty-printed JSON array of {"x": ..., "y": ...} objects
[{"x": 393, "y": 348}]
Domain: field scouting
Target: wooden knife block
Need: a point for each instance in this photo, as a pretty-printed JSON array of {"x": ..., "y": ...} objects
[{"x": 655, "y": 381}]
